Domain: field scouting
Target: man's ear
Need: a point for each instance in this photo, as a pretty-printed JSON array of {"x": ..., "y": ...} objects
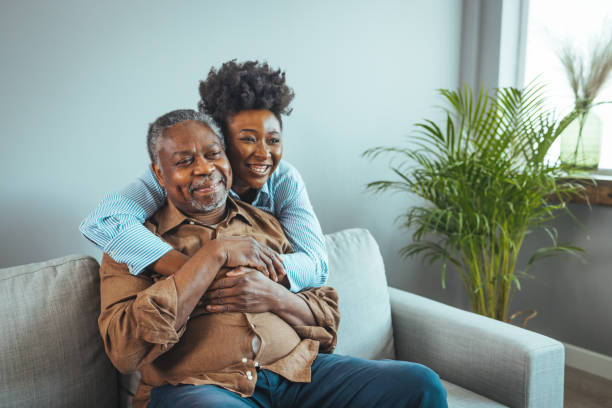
[{"x": 158, "y": 174}]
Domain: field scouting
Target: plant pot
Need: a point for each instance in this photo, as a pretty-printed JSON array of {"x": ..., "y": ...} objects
[{"x": 581, "y": 151}]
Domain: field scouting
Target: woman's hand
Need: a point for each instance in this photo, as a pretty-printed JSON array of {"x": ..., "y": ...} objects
[
  {"x": 246, "y": 251},
  {"x": 246, "y": 290}
]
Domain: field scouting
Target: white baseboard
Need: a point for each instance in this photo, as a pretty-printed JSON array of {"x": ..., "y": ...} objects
[{"x": 589, "y": 361}]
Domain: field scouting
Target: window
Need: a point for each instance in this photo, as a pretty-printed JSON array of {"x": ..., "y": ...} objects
[{"x": 551, "y": 22}]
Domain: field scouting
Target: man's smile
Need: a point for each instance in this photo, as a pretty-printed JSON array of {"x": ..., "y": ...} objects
[{"x": 207, "y": 187}]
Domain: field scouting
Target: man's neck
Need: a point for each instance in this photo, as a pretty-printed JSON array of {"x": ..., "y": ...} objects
[{"x": 213, "y": 217}]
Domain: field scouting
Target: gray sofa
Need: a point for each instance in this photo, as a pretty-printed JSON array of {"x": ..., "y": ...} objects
[{"x": 51, "y": 354}]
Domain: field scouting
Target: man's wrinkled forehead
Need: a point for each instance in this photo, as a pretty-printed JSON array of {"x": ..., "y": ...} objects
[{"x": 186, "y": 135}]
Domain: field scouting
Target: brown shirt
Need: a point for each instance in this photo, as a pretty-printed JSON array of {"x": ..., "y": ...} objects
[{"x": 225, "y": 349}]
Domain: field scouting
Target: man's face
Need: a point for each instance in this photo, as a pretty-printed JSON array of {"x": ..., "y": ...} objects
[{"x": 193, "y": 168}]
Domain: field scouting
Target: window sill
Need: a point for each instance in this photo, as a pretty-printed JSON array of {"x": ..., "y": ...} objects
[{"x": 598, "y": 188}]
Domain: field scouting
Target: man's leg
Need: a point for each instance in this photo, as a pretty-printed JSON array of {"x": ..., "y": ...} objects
[
  {"x": 192, "y": 396},
  {"x": 343, "y": 381}
]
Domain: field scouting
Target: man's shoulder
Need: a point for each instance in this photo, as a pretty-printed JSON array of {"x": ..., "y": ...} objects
[
  {"x": 152, "y": 222},
  {"x": 163, "y": 219}
]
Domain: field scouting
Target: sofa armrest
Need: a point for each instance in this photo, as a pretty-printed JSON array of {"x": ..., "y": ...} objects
[{"x": 505, "y": 363}]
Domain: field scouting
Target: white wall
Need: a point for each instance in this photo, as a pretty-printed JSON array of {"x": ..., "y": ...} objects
[
  {"x": 81, "y": 80},
  {"x": 572, "y": 297}
]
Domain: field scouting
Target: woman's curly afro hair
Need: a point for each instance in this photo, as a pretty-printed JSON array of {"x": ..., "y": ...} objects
[{"x": 242, "y": 86}]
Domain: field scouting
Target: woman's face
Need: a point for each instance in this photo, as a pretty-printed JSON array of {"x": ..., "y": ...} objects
[{"x": 254, "y": 147}]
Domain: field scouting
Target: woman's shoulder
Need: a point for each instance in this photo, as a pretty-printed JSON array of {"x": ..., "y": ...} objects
[{"x": 285, "y": 175}]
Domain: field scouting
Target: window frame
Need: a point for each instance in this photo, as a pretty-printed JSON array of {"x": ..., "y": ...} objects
[{"x": 493, "y": 55}]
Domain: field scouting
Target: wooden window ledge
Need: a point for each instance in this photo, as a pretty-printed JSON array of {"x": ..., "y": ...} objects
[{"x": 598, "y": 187}]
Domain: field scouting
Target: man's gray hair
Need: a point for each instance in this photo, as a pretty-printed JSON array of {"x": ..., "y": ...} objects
[{"x": 172, "y": 118}]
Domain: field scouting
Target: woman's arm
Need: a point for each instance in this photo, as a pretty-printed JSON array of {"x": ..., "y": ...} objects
[
  {"x": 116, "y": 226},
  {"x": 307, "y": 265}
]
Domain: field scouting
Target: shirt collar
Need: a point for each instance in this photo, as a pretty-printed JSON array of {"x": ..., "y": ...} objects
[
  {"x": 169, "y": 217},
  {"x": 262, "y": 194}
]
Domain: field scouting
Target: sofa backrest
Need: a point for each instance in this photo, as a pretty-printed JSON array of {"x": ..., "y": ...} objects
[
  {"x": 357, "y": 272},
  {"x": 51, "y": 354}
]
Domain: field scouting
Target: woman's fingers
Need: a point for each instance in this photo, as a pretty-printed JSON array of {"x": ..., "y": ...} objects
[
  {"x": 223, "y": 308},
  {"x": 241, "y": 270},
  {"x": 270, "y": 267},
  {"x": 278, "y": 267},
  {"x": 222, "y": 298},
  {"x": 274, "y": 264},
  {"x": 247, "y": 251},
  {"x": 226, "y": 282}
]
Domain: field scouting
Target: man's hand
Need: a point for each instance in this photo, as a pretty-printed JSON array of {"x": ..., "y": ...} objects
[
  {"x": 250, "y": 292},
  {"x": 246, "y": 290},
  {"x": 245, "y": 251}
]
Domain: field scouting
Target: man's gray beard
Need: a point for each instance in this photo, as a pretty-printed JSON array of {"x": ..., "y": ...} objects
[{"x": 206, "y": 208}]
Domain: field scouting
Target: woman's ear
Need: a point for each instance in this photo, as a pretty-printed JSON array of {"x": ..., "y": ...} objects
[{"x": 158, "y": 174}]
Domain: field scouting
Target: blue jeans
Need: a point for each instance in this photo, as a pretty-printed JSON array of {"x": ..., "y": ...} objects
[{"x": 337, "y": 381}]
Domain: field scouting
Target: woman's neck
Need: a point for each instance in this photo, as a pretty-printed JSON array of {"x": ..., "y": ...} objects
[{"x": 248, "y": 196}]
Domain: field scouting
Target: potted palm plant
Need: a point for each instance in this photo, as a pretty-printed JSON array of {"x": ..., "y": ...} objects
[{"x": 486, "y": 185}]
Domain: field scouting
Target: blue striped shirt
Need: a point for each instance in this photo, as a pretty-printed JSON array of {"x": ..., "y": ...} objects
[{"x": 117, "y": 227}]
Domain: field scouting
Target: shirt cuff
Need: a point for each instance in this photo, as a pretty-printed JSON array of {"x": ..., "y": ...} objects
[
  {"x": 302, "y": 272},
  {"x": 155, "y": 311},
  {"x": 323, "y": 303},
  {"x": 137, "y": 247}
]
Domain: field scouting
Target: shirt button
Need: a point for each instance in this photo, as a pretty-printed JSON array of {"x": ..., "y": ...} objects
[
  {"x": 244, "y": 359},
  {"x": 191, "y": 222}
]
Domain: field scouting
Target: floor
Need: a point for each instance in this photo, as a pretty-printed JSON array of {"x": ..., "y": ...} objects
[{"x": 584, "y": 390}]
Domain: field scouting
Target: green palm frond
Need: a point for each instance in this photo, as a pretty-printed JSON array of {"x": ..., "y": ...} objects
[{"x": 487, "y": 184}]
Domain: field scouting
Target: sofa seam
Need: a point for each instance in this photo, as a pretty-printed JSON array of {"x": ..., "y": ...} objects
[{"x": 79, "y": 258}]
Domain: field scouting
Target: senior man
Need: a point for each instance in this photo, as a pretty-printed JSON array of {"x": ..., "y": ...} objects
[{"x": 218, "y": 332}]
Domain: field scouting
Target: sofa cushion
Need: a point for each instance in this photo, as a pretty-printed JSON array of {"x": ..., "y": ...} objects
[
  {"x": 459, "y": 397},
  {"x": 50, "y": 348},
  {"x": 357, "y": 271}
]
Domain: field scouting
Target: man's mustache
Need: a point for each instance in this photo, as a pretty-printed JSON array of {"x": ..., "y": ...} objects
[{"x": 210, "y": 180}]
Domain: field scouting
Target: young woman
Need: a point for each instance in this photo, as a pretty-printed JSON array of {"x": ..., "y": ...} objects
[{"x": 247, "y": 101}]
